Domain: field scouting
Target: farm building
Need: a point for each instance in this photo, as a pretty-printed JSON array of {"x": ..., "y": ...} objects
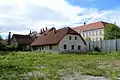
[{"x": 61, "y": 40}]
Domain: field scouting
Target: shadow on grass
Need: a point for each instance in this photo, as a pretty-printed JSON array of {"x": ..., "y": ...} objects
[{"x": 5, "y": 52}]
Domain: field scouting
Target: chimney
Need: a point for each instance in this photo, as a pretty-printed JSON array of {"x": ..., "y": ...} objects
[
  {"x": 9, "y": 38},
  {"x": 40, "y": 30},
  {"x": 43, "y": 30},
  {"x": 46, "y": 28},
  {"x": 30, "y": 32},
  {"x": 54, "y": 30},
  {"x": 115, "y": 23},
  {"x": 84, "y": 23}
]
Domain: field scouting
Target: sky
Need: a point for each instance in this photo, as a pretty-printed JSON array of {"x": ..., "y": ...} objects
[{"x": 21, "y": 16}]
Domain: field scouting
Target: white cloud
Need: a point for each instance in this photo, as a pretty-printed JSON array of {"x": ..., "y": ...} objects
[{"x": 16, "y": 15}]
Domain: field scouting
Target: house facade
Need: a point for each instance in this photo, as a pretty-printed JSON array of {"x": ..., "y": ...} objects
[
  {"x": 61, "y": 40},
  {"x": 92, "y": 31}
]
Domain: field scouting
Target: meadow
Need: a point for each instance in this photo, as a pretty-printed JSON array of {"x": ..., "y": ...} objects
[{"x": 54, "y": 66}]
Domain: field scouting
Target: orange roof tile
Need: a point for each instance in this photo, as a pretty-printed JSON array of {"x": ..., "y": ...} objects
[{"x": 96, "y": 25}]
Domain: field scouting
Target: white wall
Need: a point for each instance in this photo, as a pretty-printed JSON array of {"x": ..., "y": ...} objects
[
  {"x": 74, "y": 42},
  {"x": 93, "y": 37},
  {"x": 47, "y": 48}
]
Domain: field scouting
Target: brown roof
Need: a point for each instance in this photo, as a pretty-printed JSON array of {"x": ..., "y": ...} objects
[
  {"x": 23, "y": 39},
  {"x": 96, "y": 25},
  {"x": 54, "y": 38}
]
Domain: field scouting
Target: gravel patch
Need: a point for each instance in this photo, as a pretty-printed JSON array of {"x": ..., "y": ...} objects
[{"x": 84, "y": 77}]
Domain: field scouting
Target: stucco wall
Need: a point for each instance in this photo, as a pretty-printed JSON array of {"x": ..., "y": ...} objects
[
  {"x": 71, "y": 42},
  {"x": 14, "y": 42},
  {"x": 47, "y": 48},
  {"x": 92, "y": 34}
]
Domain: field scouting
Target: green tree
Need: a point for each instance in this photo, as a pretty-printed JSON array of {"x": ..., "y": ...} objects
[
  {"x": 88, "y": 39},
  {"x": 111, "y": 31}
]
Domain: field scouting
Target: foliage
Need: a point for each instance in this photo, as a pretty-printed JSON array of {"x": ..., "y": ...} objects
[
  {"x": 42, "y": 66},
  {"x": 88, "y": 39},
  {"x": 111, "y": 31}
]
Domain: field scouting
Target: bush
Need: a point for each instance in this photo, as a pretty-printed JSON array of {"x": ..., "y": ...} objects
[{"x": 96, "y": 48}]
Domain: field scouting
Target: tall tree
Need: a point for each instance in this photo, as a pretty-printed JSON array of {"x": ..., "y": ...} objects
[{"x": 111, "y": 31}]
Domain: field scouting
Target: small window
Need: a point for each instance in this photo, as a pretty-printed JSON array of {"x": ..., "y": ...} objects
[
  {"x": 65, "y": 46},
  {"x": 50, "y": 47},
  {"x": 100, "y": 32},
  {"x": 92, "y": 33},
  {"x": 89, "y": 33},
  {"x": 96, "y": 33},
  {"x": 96, "y": 39},
  {"x": 75, "y": 38},
  {"x": 70, "y": 37},
  {"x": 72, "y": 47},
  {"x": 79, "y": 47}
]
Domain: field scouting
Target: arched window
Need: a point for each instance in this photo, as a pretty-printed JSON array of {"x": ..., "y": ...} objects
[
  {"x": 79, "y": 47},
  {"x": 65, "y": 46}
]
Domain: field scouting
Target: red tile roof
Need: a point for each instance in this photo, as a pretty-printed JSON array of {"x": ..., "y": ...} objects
[
  {"x": 96, "y": 25},
  {"x": 54, "y": 38}
]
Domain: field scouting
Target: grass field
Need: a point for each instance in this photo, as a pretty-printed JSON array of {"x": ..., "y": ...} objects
[{"x": 51, "y": 66}]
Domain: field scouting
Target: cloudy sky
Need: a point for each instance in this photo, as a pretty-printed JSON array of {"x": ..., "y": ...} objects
[{"x": 21, "y": 16}]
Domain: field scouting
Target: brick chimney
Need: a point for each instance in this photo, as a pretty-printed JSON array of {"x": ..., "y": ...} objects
[
  {"x": 46, "y": 28},
  {"x": 54, "y": 30},
  {"x": 84, "y": 23}
]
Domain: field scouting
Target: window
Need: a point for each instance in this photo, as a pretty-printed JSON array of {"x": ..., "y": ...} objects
[
  {"x": 93, "y": 33},
  {"x": 96, "y": 39},
  {"x": 70, "y": 37},
  {"x": 93, "y": 39},
  {"x": 89, "y": 33},
  {"x": 86, "y": 34},
  {"x": 50, "y": 47},
  {"x": 96, "y": 33},
  {"x": 83, "y": 34},
  {"x": 79, "y": 47},
  {"x": 65, "y": 46},
  {"x": 100, "y": 32},
  {"x": 75, "y": 38},
  {"x": 72, "y": 47}
]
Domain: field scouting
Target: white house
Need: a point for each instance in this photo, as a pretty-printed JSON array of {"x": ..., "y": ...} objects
[
  {"x": 93, "y": 31},
  {"x": 61, "y": 40}
]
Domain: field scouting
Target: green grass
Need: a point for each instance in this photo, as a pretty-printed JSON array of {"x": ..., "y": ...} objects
[{"x": 51, "y": 66}]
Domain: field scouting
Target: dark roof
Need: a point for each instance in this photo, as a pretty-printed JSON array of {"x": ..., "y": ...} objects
[
  {"x": 54, "y": 38},
  {"x": 23, "y": 39},
  {"x": 91, "y": 26}
]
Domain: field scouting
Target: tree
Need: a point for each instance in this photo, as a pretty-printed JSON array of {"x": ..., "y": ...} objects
[
  {"x": 0, "y": 37},
  {"x": 111, "y": 31},
  {"x": 88, "y": 39}
]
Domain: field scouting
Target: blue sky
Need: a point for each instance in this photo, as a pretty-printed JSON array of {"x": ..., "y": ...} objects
[
  {"x": 99, "y": 4},
  {"x": 21, "y": 16}
]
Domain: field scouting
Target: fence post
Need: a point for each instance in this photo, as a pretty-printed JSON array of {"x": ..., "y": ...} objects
[{"x": 116, "y": 44}]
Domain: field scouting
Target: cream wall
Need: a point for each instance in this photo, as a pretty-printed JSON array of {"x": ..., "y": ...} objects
[
  {"x": 92, "y": 34},
  {"x": 74, "y": 42}
]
